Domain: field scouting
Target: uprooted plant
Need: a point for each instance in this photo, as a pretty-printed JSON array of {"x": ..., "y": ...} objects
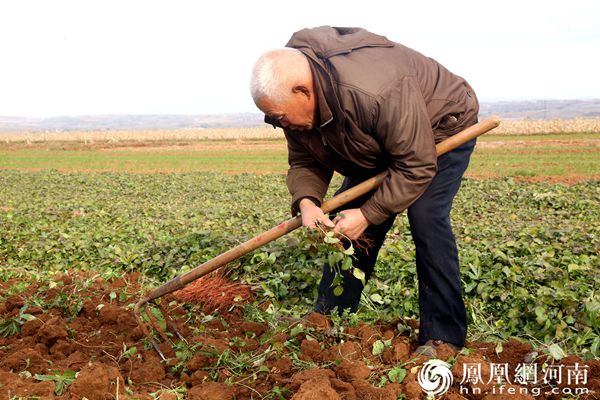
[{"x": 337, "y": 250}]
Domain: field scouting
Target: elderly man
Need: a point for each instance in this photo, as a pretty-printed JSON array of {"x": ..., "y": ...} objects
[{"x": 357, "y": 103}]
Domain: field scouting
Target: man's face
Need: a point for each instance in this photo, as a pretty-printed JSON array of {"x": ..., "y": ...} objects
[{"x": 297, "y": 112}]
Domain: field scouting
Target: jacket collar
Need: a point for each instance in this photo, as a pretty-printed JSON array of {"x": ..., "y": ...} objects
[
  {"x": 328, "y": 41},
  {"x": 320, "y": 44},
  {"x": 325, "y": 115},
  {"x": 329, "y": 106}
]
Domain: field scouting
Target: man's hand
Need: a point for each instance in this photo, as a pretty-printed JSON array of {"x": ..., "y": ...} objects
[
  {"x": 351, "y": 223},
  {"x": 312, "y": 214}
]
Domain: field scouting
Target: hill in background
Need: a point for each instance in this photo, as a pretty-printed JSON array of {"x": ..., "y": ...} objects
[
  {"x": 118, "y": 122},
  {"x": 537, "y": 109}
]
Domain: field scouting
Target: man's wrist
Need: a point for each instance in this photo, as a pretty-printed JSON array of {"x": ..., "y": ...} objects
[{"x": 307, "y": 201}]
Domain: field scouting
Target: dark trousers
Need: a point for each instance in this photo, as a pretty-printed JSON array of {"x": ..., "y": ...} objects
[{"x": 441, "y": 306}]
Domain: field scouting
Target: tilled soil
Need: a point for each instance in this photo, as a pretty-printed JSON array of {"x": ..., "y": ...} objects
[{"x": 228, "y": 357}]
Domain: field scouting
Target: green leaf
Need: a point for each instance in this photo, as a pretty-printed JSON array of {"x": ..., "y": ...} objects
[
  {"x": 499, "y": 348},
  {"x": 595, "y": 347},
  {"x": 338, "y": 290},
  {"x": 28, "y": 317},
  {"x": 359, "y": 274},
  {"x": 61, "y": 380},
  {"x": 556, "y": 351},
  {"x": 296, "y": 330},
  {"x": 376, "y": 298},
  {"x": 9, "y": 327},
  {"x": 129, "y": 352},
  {"x": 575, "y": 267},
  {"x": 347, "y": 264},
  {"x": 338, "y": 279},
  {"x": 272, "y": 258},
  {"x": 397, "y": 374},
  {"x": 470, "y": 286},
  {"x": 330, "y": 239},
  {"x": 541, "y": 314},
  {"x": 378, "y": 347},
  {"x": 334, "y": 258}
]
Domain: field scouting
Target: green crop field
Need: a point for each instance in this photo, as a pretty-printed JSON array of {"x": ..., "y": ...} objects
[
  {"x": 529, "y": 251},
  {"x": 563, "y": 157}
]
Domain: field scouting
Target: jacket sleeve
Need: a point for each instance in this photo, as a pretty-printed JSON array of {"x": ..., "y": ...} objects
[
  {"x": 402, "y": 126},
  {"x": 306, "y": 176}
]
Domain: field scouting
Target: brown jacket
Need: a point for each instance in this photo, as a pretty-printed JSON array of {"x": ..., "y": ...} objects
[{"x": 380, "y": 106}]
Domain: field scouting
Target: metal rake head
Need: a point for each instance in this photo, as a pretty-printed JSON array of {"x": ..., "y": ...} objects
[{"x": 149, "y": 308}]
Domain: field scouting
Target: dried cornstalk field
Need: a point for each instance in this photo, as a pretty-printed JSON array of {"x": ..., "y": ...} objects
[
  {"x": 514, "y": 127},
  {"x": 519, "y": 127}
]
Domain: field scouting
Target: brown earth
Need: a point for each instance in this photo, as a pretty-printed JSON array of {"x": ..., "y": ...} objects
[
  {"x": 567, "y": 179},
  {"x": 91, "y": 329}
]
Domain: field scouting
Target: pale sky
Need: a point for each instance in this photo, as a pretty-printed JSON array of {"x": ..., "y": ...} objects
[{"x": 73, "y": 57}]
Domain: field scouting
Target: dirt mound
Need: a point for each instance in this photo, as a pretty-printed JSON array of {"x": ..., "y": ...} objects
[
  {"x": 80, "y": 339},
  {"x": 97, "y": 381}
]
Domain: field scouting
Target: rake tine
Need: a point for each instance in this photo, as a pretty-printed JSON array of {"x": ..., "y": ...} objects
[
  {"x": 173, "y": 328},
  {"x": 142, "y": 306},
  {"x": 148, "y": 335},
  {"x": 156, "y": 325},
  {"x": 171, "y": 324}
]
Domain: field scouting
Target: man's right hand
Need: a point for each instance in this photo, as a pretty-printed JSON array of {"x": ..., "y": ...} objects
[{"x": 312, "y": 214}]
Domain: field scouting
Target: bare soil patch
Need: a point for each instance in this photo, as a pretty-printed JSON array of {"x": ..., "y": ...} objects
[
  {"x": 96, "y": 341},
  {"x": 570, "y": 179}
]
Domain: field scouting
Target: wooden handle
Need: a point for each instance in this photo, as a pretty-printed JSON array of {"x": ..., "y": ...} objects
[
  {"x": 287, "y": 226},
  {"x": 468, "y": 134}
]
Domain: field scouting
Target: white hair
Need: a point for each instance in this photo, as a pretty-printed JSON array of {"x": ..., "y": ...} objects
[{"x": 276, "y": 72}]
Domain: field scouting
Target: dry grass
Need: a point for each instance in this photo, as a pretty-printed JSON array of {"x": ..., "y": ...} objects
[
  {"x": 516, "y": 127},
  {"x": 509, "y": 127}
]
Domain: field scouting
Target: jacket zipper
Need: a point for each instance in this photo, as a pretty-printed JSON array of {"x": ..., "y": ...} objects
[
  {"x": 325, "y": 144},
  {"x": 321, "y": 133},
  {"x": 323, "y": 140}
]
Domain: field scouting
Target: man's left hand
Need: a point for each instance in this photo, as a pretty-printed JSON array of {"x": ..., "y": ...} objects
[{"x": 350, "y": 223}]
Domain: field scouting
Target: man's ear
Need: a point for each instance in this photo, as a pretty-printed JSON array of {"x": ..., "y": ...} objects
[{"x": 302, "y": 89}]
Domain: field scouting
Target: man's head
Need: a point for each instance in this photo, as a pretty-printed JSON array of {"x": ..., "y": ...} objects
[{"x": 282, "y": 88}]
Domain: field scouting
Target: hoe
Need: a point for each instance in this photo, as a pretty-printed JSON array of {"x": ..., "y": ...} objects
[{"x": 285, "y": 227}]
